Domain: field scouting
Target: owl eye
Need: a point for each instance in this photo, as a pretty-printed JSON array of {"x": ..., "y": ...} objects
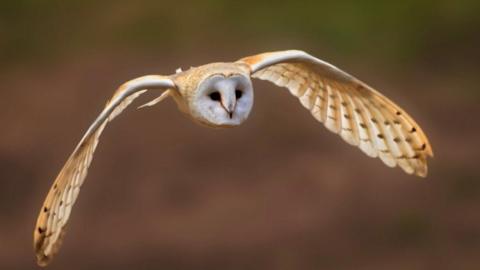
[
  {"x": 215, "y": 96},
  {"x": 238, "y": 94}
]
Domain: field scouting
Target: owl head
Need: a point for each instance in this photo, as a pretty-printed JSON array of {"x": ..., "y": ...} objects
[{"x": 223, "y": 96}]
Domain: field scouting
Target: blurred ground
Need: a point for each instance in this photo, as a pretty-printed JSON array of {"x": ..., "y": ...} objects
[{"x": 279, "y": 192}]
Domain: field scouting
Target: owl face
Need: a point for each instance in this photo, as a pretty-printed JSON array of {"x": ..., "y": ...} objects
[{"x": 223, "y": 100}]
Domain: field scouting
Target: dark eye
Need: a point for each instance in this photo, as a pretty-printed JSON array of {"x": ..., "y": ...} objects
[
  {"x": 215, "y": 96},
  {"x": 238, "y": 94}
]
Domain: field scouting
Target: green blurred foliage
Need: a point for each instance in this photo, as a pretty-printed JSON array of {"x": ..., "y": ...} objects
[{"x": 400, "y": 30}]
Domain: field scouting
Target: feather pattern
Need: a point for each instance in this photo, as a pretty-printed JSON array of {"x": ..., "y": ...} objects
[
  {"x": 53, "y": 217},
  {"x": 359, "y": 114}
]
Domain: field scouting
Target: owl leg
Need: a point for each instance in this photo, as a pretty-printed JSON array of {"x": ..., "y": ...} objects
[{"x": 155, "y": 101}]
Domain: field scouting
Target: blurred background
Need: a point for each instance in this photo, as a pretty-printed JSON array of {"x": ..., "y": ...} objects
[{"x": 280, "y": 191}]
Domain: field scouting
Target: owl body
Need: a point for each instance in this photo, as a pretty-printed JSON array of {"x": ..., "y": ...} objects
[{"x": 220, "y": 95}]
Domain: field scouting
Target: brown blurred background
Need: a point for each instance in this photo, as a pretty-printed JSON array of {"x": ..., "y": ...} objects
[{"x": 279, "y": 192}]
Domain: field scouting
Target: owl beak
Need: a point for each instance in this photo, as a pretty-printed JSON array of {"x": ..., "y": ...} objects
[
  {"x": 228, "y": 98},
  {"x": 229, "y": 110},
  {"x": 228, "y": 103}
]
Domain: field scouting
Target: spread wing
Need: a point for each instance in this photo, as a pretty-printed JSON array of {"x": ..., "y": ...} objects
[
  {"x": 58, "y": 204},
  {"x": 359, "y": 114}
]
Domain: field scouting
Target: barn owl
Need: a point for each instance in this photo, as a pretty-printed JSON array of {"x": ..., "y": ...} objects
[{"x": 220, "y": 95}]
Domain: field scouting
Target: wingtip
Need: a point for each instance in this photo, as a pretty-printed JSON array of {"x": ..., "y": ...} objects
[
  {"x": 422, "y": 172},
  {"x": 430, "y": 152},
  {"x": 43, "y": 260},
  {"x": 422, "y": 175},
  {"x": 44, "y": 250}
]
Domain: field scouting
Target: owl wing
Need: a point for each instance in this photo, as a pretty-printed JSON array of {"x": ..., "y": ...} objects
[
  {"x": 358, "y": 113},
  {"x": 58, "y": 204}
]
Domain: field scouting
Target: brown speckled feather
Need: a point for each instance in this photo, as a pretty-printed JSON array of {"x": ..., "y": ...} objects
[
  {"x": 58, "y": 204},
  {"x": 360, "y": 115}
]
